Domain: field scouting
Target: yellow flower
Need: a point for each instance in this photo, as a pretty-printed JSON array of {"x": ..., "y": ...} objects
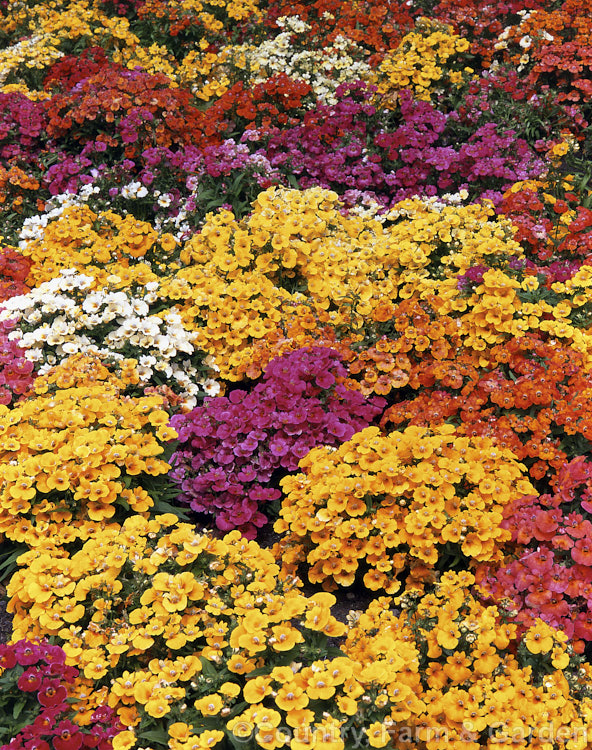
[
  {"x": 256, "y": 689},
  {"x": 378, "y": 734},
  {"x": 209, "y": 705},
  {"x": 538, "y": 639},
  {"x": 125, "y": 740}
]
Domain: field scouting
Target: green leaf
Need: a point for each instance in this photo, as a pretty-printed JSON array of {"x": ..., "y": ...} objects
[
  {"x": 18, "y": 707},
  {"x": 161, "y": 506},
  {"x": 208, "y": 669},
  {"x": 8, "y": 559},
  {"x": 156, "y": 736},
  {"x": 238, "y": 742}
]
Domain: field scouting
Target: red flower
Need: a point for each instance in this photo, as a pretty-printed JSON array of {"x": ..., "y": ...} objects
[
  {"x": 576, "y": 527},
  {"x": 554, "y": 609},
  {"x": 53, "y": 694},
  {"x": 583, "y": 626},
  {"x": 562, "y": 541},
  {"x": 36, "y": 744},
  {"x": 539, "y": 562},
  {"x": 538, "y": 597},
  {"x": 27, "y": 653},
  {"x": 69, "y": 736},
  {"x": 545, "y": 524},
  {"x": 7, "y": 657},
  {"x": 30, "y": 680}
]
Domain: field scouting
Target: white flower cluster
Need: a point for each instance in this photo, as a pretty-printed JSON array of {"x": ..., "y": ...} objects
[
  {"x": 67, "y": 315},
  {"x": 134, "y": 190},
  {"x": 34, "y": 226},
  {"x": 176, "y": 225},
  {"x": 323, "y": 68}
]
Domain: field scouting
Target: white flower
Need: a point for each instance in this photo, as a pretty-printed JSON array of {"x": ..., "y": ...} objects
[
  {"x": 70, "y": 347},
  {"x": 526, "y": 42},
  {"x": 150, "y": 326},
  {"x": 93, "y": 302},
  {"x": 34, "y": 354},
  {"x": 144, "y": 373},
  {"x": 211, "y": 387},
  {"x": 140, "y": 307},
  {"x": 134, "y": 190}
]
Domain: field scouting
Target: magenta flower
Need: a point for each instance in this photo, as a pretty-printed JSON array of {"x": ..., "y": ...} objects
[
  {"x": 30, "y": 680},
  {"x": 233, "y": 450}
]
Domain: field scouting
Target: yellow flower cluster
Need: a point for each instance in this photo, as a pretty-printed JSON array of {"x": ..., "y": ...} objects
[
  {"x": 387, "y": 502},
  {"x": 47, "y": 27},
  {"x": 77, "y": 450},
  {"x": 207, "y": 74},
  {"x": 352, "y": 264},
  {"x": 98, "y": 245},
  {"x": 37, "y": 51},
  {"x": 211, "y": 74},
  {"x": 490, "y": 314},
  {"x": 225, "y": 318},
  {"x": 155, "y": 613},
  {"x": 426, "y": 59},
  {"x": 467, "y": 685},
  {"x": 434, "y": 241},
  {"x": 153, "y": 59},
  {"x": 44, "y": 27}
]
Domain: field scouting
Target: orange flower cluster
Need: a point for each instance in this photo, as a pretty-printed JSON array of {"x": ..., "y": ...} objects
[
  {"x": 530, "y": 396},
  {"x": 98, "y": 245},
  {"x": 381, "y": 503},
  {"x": 412, "y": 339},
  {"x": 553, "y": 45}
]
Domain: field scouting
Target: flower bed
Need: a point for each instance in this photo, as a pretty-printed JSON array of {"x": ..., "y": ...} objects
[{"x": 296, "y": 375}]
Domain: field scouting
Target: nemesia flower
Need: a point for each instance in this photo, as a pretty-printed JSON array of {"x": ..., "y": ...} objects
[
  {"x": 392, "y": 501},
  {"x": 231, "y": 447}
]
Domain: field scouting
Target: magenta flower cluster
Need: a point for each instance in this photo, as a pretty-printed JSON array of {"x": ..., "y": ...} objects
[
  {"x": 233, "y": 449},
  {"x": 22, "y": 128},
  {"x": 16, "y": 372},
  {"x": 194, "y": 180},
  {"x": 35, "y": 710},
  {"x": 353, "y": 146},
  {"x": 467, "y": 282}
]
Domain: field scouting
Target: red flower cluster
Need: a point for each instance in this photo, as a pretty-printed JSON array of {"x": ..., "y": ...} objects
[
  {"x": 531, "y": 397},
  {"x": 34, "y": 678},
  {"x": 551, "y": 577},
  {"x": 276, "y": 101},
  {"x": 70, "y": 70},
  {"x": 370, "y": 23},
  {"x": 536, "y": 214},
  {"x": 14, "y": 269},
  {"x": 126, "y": 109}
]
